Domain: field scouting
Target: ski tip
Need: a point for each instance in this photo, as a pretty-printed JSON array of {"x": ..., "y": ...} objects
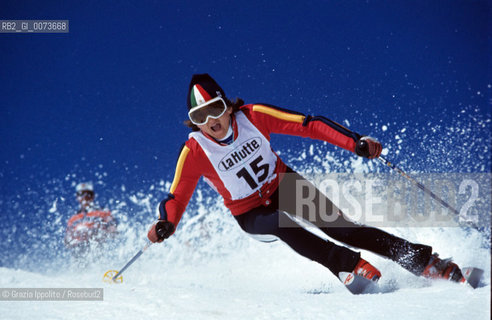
[{"x": 473, "y": 276}]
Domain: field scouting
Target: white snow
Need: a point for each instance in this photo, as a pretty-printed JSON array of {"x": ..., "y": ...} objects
[
  {"x": 53, "y": 207},
  {"x": 224, "y": 274}
]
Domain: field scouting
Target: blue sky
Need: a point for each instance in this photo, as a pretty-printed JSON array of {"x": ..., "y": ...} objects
[{"x": 110, "y": 95}]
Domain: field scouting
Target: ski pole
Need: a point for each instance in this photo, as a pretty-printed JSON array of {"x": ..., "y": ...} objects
[
  {"x": 147, "y": 245},
  {"x": 419, "y": 185}
]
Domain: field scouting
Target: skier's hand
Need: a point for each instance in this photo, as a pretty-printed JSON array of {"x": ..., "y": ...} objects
[
  {"x": 160, "y": 230},
  {"x": 368, "y": 147}
]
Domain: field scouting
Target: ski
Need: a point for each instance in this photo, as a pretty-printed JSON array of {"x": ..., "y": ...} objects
[
  {"x": 472, "y": 276},
  {"x": 357, "y": 284}
]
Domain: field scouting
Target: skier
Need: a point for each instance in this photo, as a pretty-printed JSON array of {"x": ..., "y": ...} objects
[
  {"x": 90, "y": 225},
  {"x": 230, "y": 147}
]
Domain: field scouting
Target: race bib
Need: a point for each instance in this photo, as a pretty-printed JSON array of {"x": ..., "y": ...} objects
[{"x": 246, "y": 164}]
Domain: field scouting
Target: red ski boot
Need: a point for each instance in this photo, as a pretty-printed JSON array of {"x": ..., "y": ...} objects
[
  {"x": 366, "y": 270},
  {"x": 443, "y": 269}
]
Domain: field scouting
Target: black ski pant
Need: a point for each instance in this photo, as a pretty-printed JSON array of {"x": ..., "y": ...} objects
[{"x": 268, "y": 223}]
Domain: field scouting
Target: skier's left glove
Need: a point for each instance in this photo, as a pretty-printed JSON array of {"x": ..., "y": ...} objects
[
  {"x": 368, "y": 147},
  {"x": 160, "y": 230}
]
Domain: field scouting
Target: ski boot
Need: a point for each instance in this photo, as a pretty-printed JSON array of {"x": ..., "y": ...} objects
[
  {"x": 443, "y": 269},
  {"x": 446, "y": 269},
  {"x": 366, "y": 270},
  {"x": 362, "y": 279}
]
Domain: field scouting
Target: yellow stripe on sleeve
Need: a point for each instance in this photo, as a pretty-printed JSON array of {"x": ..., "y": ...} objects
[
  {"x": 279, "y": 114},
  {"x": 179, "y": 168}
]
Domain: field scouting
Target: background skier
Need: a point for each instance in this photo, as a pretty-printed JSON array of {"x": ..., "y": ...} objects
[{"x": 91, "y": 225}]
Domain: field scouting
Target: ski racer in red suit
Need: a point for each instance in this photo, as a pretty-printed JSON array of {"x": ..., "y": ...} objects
[
  {"x": 230, "y": 148},
  {"x": 90, "y": 224}
]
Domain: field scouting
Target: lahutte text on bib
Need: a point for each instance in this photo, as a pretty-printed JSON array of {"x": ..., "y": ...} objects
[{"x": 241, "y": 154}]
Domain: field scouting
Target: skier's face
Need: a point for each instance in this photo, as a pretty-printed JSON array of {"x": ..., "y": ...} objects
[
  {"x": 217, "y": 128},
  {"x": 85, "y": 198}
]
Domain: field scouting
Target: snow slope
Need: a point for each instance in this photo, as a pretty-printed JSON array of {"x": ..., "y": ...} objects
[
  {"x": 224, "y": 274},
  {"x": 265, "y": 282}
]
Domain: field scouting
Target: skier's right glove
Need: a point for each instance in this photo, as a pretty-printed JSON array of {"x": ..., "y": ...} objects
[
  {"x": 160, "y": 230},
  {"x": 368, "y": 147}
]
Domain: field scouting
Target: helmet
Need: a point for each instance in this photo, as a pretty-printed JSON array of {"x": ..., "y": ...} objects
[
  {"x": 202, "y": 89},
  {"x": 84, "y": 186}
]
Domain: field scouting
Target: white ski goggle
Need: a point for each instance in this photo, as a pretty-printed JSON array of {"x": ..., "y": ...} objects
[{"x": 213, "y": 108}]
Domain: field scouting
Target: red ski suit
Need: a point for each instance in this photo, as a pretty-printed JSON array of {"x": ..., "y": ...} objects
[{"x": 194, "y": 163}]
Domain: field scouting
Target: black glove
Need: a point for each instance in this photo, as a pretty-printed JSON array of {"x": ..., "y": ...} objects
[
  {"x": 160, "y": 230},
  {"x": 368, "y": 147}
]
